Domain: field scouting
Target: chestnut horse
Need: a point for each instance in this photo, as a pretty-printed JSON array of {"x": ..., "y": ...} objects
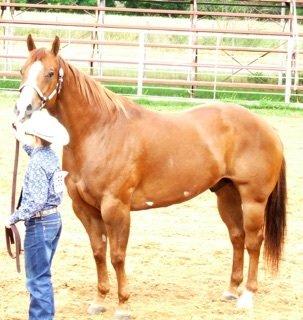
[{"x": 122, "y": 157}]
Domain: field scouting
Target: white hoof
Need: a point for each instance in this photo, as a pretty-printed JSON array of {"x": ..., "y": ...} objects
[
  {"x": 227, "y": 295},
  {"x": 246, "y": 300},
  {"x": 94, "y": 309},
  {"x": 122, "y": 314}
]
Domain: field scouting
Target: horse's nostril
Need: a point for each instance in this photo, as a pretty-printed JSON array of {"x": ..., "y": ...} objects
[
  {"x": 16, "y": 111},
  {"x": 29, "y": 109}
]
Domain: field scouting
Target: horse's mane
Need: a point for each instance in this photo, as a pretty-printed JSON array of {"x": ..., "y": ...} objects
[{"x": 96, "y": 95}]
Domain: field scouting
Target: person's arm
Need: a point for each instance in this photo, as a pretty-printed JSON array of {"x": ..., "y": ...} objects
[
  {"x": 21, "y": 137},
  {"x": 28, "y": 149},
  {"x": 35, "y": 193}
]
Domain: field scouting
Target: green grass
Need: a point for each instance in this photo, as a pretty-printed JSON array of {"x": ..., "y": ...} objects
[
  {"x": 9, "y": 84},
  {"x": 262, "y": 97},
  {"x": 182, "y": 92},
  {"x": 266, "y": 107}
]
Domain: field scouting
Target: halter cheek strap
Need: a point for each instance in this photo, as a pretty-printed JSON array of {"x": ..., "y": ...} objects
[{"x": 44, "y": 98}]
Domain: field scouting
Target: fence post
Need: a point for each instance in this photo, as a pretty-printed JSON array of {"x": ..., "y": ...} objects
[
  {"x": 288, "y": 70},
  {"x": 291, "y": 63},
  {"x": 296, "y": 46},
  {"x": 192, "y": 72},
  {"x": 98, "y": 35},
  {"x": 141, "y": 63},
  {"x": 218, "y": 42},
  {"x": 283, "y": 22},
  {"x": 7, "y": 31}
]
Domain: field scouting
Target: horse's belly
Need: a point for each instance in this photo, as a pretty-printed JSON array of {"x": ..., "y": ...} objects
[
  {"x": 142, "y": 201},
  {"x": 174, "y": 185}
]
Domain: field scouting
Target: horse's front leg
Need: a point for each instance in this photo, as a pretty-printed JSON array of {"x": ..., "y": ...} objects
[
  {"x": 95, "y": 228},
  {"x": 116, "y": 216}
]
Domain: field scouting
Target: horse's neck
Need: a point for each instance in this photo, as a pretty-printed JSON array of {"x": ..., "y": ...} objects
[
  {"x": 76, "y": 111},
  {"x": 83, "y": 104},
  {"x": 73, "y": 115}
]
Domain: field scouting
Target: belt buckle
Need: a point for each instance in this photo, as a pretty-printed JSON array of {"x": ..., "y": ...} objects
[
  {"x": 44, "y": 213},
  {"x": 39, "y": 214}
]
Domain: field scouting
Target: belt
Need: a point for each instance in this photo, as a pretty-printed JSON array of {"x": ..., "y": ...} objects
[{"x": 44, "y": 213}]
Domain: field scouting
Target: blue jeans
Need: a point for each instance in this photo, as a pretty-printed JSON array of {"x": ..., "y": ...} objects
[{"x": 40, "y": 243}]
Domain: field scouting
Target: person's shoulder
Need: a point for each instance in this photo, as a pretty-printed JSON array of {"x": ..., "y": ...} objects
[
  {"x": 36, "y": 162},
  {"x": 46, "y": 153},
  {"x": 51, "y": 157},
  {"x": 46, "y": 158}
]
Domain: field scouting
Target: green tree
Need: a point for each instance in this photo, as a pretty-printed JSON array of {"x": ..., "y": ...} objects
[{"x": 156, "y": 5}]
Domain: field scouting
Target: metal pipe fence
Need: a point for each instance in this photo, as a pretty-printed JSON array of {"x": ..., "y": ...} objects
[{"x": 197, "y": 50}]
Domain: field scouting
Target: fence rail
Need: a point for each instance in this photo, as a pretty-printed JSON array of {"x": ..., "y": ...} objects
[
  {"x": 148, "y": 11},
  {"x": 148, "y": 45},
  {"x": 200, "y": 52}
]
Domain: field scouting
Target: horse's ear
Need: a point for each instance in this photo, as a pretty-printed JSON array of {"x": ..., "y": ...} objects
[
  {"x": 30, "y": 43},
  {"x": 56, "y": 46}
]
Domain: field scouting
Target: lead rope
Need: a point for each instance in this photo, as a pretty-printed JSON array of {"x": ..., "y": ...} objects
[{"x": 12, "y": 234}]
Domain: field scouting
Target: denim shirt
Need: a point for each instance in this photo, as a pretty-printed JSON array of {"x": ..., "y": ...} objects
[{"x": 43, "y": 183}]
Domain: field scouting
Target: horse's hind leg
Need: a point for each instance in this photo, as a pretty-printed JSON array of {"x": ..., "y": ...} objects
[
  {"x": 229, "y": 206},
  {"x": 253, "y": 220}
]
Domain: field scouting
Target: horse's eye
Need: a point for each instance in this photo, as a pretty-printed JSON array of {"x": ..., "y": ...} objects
[{"x": 50, "y": 74}]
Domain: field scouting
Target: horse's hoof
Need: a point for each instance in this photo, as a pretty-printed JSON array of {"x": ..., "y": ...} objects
[
  {"x": 246, "y": 300},
  {"x": 122, "y": 315},
  {"x": 94, "y": 309},
  {"x": 227, "y": 295}
]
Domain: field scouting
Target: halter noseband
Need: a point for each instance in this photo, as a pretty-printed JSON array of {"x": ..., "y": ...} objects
[{"x": 43, "y": 98}]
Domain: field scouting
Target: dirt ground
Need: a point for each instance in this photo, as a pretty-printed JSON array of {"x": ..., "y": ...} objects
[{"x": 179, "y": 258}]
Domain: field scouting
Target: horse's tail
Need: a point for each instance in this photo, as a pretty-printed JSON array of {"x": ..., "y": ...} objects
[{"x": 275, "y": 221}]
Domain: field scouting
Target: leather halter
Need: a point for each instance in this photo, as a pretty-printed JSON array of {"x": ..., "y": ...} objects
[{"x": 42, "y": 97}]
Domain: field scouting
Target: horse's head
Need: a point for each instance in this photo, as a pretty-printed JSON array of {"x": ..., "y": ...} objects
[{"x": 42, "y": 78}]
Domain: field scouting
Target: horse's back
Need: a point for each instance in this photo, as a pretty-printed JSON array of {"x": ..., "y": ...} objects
[
  {"x": 243, "y": 124},
  {"x": 253, "y": 149},
  {"x": 193, "y": 149}
]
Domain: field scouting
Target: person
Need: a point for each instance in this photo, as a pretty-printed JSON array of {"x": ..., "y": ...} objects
[{"x": 41, "y": 194}]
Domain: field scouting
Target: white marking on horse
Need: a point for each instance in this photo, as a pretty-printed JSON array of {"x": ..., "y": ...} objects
[
  {"x": 246, "y": 300},
  {"x": 186, "y": 193},
  {"x": 171, "y": 162},
  {"x": 103, "y": 237},
  {"x": 227, "y": 295},
  {"x": 34, "y": 71},
  {"x": 27, "y": 94},
  {"x": 149, "y": 203}
]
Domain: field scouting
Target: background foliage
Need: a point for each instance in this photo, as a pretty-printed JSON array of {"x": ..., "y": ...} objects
[{"x": 210, "y": 5}]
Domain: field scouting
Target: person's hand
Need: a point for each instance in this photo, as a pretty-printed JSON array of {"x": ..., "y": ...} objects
[
  {"x": 19, "y": 132},
  {"x": 7, "y": 223}
]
